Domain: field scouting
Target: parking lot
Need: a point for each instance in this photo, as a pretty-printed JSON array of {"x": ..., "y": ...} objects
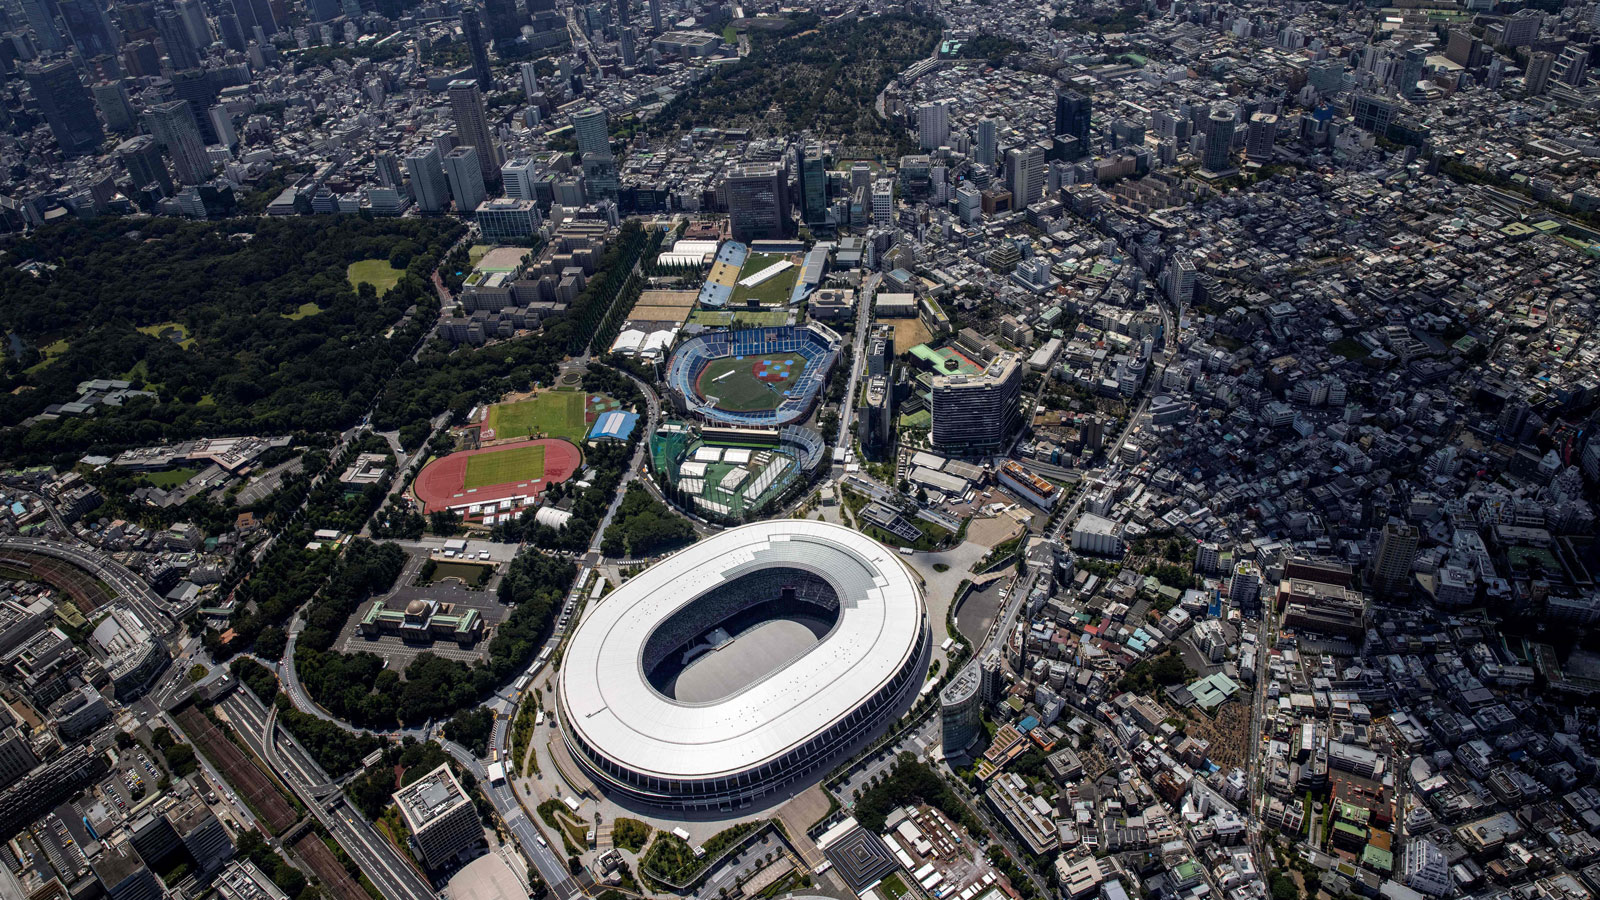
[{"x": 917, "y": 741}]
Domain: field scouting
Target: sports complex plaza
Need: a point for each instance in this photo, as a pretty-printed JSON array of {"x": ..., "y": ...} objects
[{"x": 695, "y": 684}]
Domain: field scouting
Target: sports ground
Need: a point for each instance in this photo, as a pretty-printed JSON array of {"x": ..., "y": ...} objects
[
  {"x": 500, "y": 467},
  {"x": 773, "y": 291},
  {"x": 552, "y": 414},
  {"x": 517, "y": 472},
  {"x": 751, "y": 383}
]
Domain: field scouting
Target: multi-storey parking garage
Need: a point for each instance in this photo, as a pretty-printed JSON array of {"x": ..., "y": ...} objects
[{"x": 743, "y": 664}]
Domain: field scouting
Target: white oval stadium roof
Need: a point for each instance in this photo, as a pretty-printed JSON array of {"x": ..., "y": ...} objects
[{"x": 609, "y": 701}]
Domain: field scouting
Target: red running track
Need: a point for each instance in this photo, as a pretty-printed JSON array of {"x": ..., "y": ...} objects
[{"x": 442, "y": 483}]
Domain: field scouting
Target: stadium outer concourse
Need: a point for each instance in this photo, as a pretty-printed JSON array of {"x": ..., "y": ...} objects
[{"x": 765, "y": 736}]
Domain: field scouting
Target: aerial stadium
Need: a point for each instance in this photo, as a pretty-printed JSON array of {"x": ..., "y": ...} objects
[
  {"x": 754, "y": 377},
  {"x": 695, "y": 684}
]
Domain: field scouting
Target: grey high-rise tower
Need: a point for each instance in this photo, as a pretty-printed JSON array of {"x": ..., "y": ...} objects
[
  {"x": 813, "y": 184},
  {"x": 1219, "y": 140},
  {"x": 472, "y": 125},
  {"x": 41, "y": 16},
  {"x": 173, "y": 124},
  {"x": 1072, "y": 117},
  {"x": 984, "y": 147},
  {"x": 758, "y": 202},
  {"x": 591, "y": 129},
  {"x": 112, "y": 99},
  {"x": 90, "y": 29},
  {"x": 141, "y": 156},
  {"x": 427, "y": 179},
  {"x": 66, "y": 107},
  {"x": 655, "y": 15},
  {"x": 477, "y": 47},
  {"x": 465, "y": 178},
  {"x": 175, "y": 38}
]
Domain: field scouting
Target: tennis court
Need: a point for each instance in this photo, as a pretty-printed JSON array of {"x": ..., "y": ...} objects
[{"x": 502, "y": 466}]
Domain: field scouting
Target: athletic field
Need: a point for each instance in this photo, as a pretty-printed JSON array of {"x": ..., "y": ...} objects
[
  {"x": 502, "y": 466},
  {"x": 517, "y": 472},
  {"x": 751, "y": 383},
  {"x": 557, "y": 414}
]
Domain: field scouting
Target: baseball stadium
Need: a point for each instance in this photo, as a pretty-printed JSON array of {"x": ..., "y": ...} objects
[
  {"x": 725, "y": 473},
  {"x": 756, "y": 377},
  {"x": 695, "y": 685}
]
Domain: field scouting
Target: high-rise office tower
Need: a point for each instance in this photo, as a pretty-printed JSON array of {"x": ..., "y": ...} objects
[
  {"x": 530, "y": 80},
  {"x": 758, "y": 201},
  {"x": 265, "y": 18},
  {"x": 933, "y": 125},
  {"x": 141, "y": 156},
  {"x": 112, "y": 100},
  {"x": 1537, "y": 76},
  {"x": 197, "y": 87},
  {"x": 388, "y": 169},
  {"x": 173, "y": 124},
  {"x": 88, "y": 26},
  {"x": 1416, "y": 61},
  {"x": 976, "y": 412},
  {"x": 193, "y": 14},
  {"x": 1572, "y": 66},
  {"x": 591, "y": 129},
  {"x": 1391, "y": 563},
  {"x": 1263, "y": 133},
  {"x": 221, "y": 122},
  {"x": 175, "y": 37},
  {"x": 66, "y": 107},
  {"x": 883, "y": 202},
  {"x": 477, "y": 48},
  {"x": 625, "y": 43},
  {"x": 517, "y": 177},
  {"x": 985, "y": 144},
  {"x": 472, "y": 125},
  {"x": 322, "y": 10},
  {"x": 231, "y": 32},
  {"x": 1025, "y": 174},
  {"x": 813, "y": 184},
  {"x": 504, "y": 24},
  {"x": 1072, "y": 117},
  {"x": 41, "y": 16},
  {"x": 465, "y": 178},
  {"x": 622, "y": 13},
  {"x": 141, "y": 60},
  {"x": 969, "y": 204},
  {"x": 1219, "y": 140},
  {"x": 655, "y": 15},
  {"x": 427, "y": 179}
]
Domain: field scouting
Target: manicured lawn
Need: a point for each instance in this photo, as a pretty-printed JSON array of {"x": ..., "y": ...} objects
[
  {"x": 376, "y": 272},
  {"x": 176, "y": 332},
  {"x": 306, "y": 309},
  {"x": 468, "y": 573},
  {"x": 516, "y": 464},
  {"x": 48, "y": 354},
  {"x": 477, "y": 252},
  {"x": 168, "y": 479},
  {"x": 772, "y": 291},
  {"x": 557, "y": 414},
  {"x": 734, "y": 383}
]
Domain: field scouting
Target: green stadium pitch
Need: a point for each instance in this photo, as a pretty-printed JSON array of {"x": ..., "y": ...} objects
[
  {"x": 751, "y": 383},
  {"x": 508, "y": 466}
]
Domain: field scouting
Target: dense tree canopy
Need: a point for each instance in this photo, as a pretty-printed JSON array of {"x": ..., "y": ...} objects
[{"x": 248, "y": 325}]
